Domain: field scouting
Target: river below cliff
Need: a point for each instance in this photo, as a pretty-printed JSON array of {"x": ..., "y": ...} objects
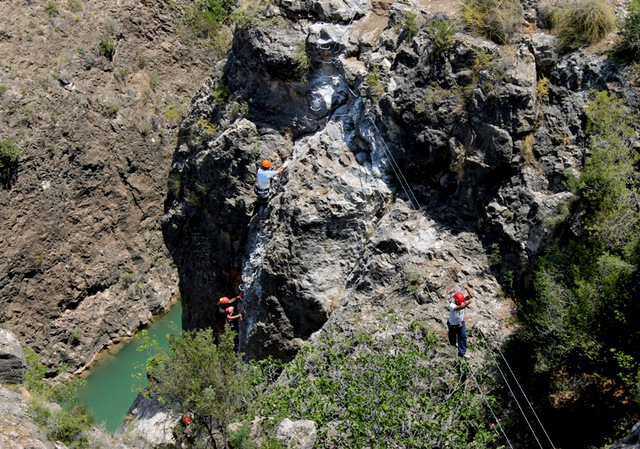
[{"x": 110, "y": 387}]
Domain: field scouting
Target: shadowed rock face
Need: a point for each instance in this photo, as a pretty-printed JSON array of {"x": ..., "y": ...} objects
[{"x": 396, "y": 185}]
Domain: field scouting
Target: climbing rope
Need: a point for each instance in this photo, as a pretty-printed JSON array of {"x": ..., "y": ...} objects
[
  {"x": 486, "y": 401},
  {"x": 519, "y": 386}
]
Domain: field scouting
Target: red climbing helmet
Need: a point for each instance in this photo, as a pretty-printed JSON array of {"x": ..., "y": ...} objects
[
  {"x": 224, "y": 300},
  {"x": 458, "y": 298},
  {"x": 266, "y": 163},
  {"x": 186, "y": 419}
]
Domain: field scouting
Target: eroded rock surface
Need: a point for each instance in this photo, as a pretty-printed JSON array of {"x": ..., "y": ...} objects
[
  {"x": 445, "y": 167},
  {"x": 82, "y": 259}
]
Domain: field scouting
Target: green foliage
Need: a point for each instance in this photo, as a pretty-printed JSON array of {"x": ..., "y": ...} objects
[
  {"x": 239, "y": 439},
  {"x": 443, "y": 33},
  {"x": 579, "y": 328},
  {"x": 542, "y": 87},
  {"x": 497, "y": 20},
  {"x": 302, "y": 61},
  {"x": 172, "y": 115},
  {"x": 629, "y": 47},
  {"x": 246, "y": 11},
  {"x": 205, "y": 378},
  {"x": 71, "y": 420},
  {"x": 398, "y": 392},
  {"x": 208, "y": 17},
  {"x": 609, "y": 184},
  {"x": 9, "y": 153},
  {"x": 106, "y": 47},
  {"x": 221, "y": 92},
  {"x": 52, "y": 8},
  {"x": 579, "y": 23},
  {"x": 207, "y": 128},
  {"x": 410, "y": 24},
  {"x": 376, "y": 90}
]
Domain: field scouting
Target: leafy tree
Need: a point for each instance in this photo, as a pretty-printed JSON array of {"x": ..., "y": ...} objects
[
  {"x": 579, "y": 330},
  {"x": 204, "y": 378}
]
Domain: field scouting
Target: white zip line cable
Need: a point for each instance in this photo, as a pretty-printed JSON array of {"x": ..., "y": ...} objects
[
  {"x": 520, "y": 387},
  {"x": 407, "y": 189},
  {"x": 491, "y": 410}
]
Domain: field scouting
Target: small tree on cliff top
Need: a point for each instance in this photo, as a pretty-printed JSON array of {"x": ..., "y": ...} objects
[{"x": 207, "y": 380}]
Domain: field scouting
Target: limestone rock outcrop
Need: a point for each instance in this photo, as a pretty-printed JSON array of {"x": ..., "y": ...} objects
[
  {"x": 12, "y": 362},
  {"x": 441, "y": 169}
]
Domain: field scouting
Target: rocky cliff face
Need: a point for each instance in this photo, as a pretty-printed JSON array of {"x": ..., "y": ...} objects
[
  {"x": 410, "y": 170},
  {"x": 82, "y": 259}
]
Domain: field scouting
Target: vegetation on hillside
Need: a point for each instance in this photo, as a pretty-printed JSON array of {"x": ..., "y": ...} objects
[
  {"x": 580, "y": 331},
  {"x": 629, "y": 48},
  {"x": 360, "y": 392},
  {"x": 380, "y": 393},
  {"x": 70, "y": 419},
  {"x": 579, "y": 23},
  {"x": 205, "y": 379},
  {"x": 493, "y": 19}
]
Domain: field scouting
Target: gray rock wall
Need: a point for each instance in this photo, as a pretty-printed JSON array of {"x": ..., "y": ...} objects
[{"x": 396, "y": 188}]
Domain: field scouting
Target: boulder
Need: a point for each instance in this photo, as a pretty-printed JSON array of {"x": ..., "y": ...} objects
[
  {"x": 12, "y": 362},
  {"x": 299, "y": 434},
  {"x": 632, "y": 441}
]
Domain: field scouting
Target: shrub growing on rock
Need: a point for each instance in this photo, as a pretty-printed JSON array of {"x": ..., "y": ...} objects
[
  {"x": 497, "y": 20},
  {"x": 9, "y": 153},
  {"x": 368, "y": 392},
  {"x": 630, "y": 46},
  {"x": 580, "y": 23}
]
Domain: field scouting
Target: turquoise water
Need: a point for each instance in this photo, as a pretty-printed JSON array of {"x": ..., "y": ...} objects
[{"x": 110, "y": 388}]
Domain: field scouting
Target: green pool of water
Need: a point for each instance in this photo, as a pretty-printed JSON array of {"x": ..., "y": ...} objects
[{"x": 110, "y": 388}]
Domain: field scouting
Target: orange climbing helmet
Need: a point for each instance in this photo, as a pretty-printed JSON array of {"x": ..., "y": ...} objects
[
  {"x": 458, "y": 298},
  {"x": 266, "y": 163}
]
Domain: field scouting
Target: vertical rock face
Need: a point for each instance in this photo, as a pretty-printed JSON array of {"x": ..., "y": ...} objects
[
  {"x": 405, "y": 164},
  {"x": 82, "y": 260}
]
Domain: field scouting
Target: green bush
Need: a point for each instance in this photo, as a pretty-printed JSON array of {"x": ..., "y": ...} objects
[
  {"x": 215, "y": 385},
  {"x": 206, "y": 17},
  {"x": 410, "y": 24},
  {"x": 362, "y": 392},
  {"x": 581, "y": 327},
  {"x": 376, "y": 89},
  {"x": 9, "y": 153},
  {"x": 580, "y": 23},
  {"x": 629, "y": 48},
  {"x": 71, "y": 420},
  {"x": 106, "y": 47},
  {"x": 442, "y": 31},
  {"x": 497, "y": 20},
  {"x": 52, "y": 8},
  {"x": 302, "y": 61}
]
